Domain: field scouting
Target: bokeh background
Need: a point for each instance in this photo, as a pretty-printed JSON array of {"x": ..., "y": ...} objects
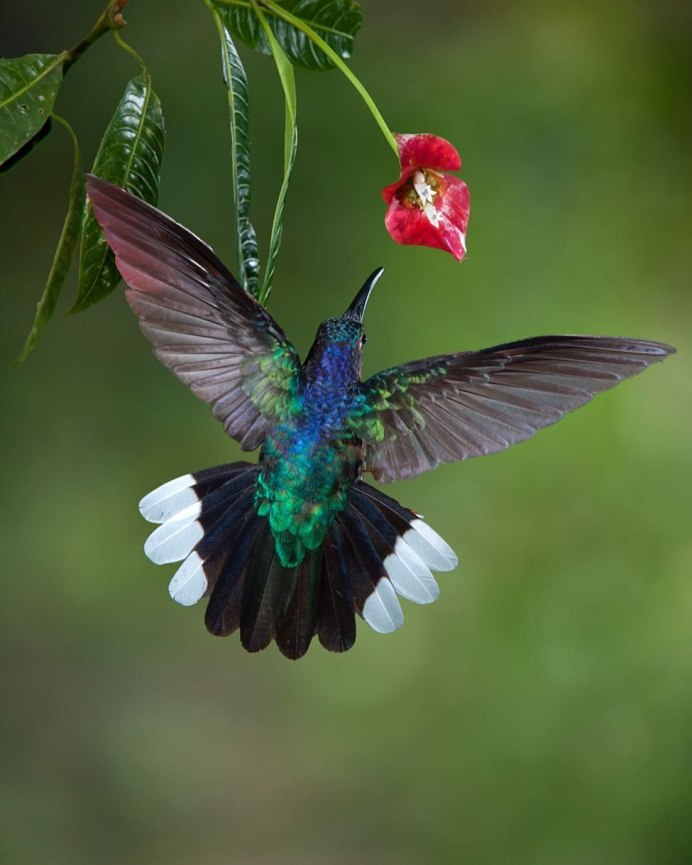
[{"x": 541, "y": 712}]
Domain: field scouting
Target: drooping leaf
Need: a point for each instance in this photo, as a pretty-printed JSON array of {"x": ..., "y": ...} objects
[
  {"x": 27, "y": 147},
  {"x": 336, "y": 21},
  {"x": 288, "y": 84},
  {"x": 236, "y": 85},
  {"x": 63, "y": 252},
  {"x": 28, "y": 88},
  {"x": 130, "y": 155}
]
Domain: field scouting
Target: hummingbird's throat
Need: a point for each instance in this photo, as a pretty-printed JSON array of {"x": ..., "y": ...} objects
[{"x": 421, "y": 190}]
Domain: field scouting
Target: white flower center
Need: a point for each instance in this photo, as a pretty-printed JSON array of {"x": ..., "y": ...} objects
[{"x": 426, "y": 194}]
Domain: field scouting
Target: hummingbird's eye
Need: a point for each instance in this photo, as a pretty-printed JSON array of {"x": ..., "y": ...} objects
[{"x": 363, "y": 340}]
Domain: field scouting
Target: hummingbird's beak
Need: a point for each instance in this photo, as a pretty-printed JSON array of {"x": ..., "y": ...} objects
[{"x": 357, "y": 308}]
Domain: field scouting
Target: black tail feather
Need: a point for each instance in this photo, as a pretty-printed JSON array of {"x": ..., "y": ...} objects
[
  {"x": 265, "y": 586},
  {"x": 395, "y": 514},
  {"x": 298, "y": 624},
  {"x": 223, "y": 610},
  {"x": 381, "y": 529},
  {"x": 221, "y": 522},
  {"x": 219, "y": 506},
  {"x": 363, "y": 561},
  {"x": 374, "y": 549},
  {"x": 336, "y": 621}
]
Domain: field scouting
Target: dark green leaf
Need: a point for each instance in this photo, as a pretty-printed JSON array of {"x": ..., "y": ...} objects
[
  {"x": 130, "y": 155},
  {"x": 28, "y": 88},
  {"x": 26, "y": 148},
  {"x": 236, "y": 84},
  {"x": 63, "y": 253},
  {"x": 336, "y": 21}
]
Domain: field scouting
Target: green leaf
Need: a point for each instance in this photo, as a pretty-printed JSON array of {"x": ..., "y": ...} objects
[
  {"x": 336, "y": 21},
  {"x": 64, "y": 250},
  {"x": 130, "y": 155},
  {"x": 27, "y": 147},
  {"x": 288, "y": 84},
  {"x": 236, "y": 85},
  {"x": 28, "y": 88}
]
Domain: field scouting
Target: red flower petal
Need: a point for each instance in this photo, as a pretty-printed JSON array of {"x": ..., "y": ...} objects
[
  {"x": 455, "y": 204},
  {"x": 413, "y": 226},
  {"x": 427, "y": 151},
  {"x": 390, "y": 191}
]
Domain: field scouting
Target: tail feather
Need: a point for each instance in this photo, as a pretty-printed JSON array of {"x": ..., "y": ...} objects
[
  {"x": 211, "y": 555},
  {"x": 265, "y": 587},
  {"x": 174, "y": 496},
  {"x": 200, "y": 513},
  {"x": 373, "y": 593},
  {"x": 374, "y": 551},
  {"x": 298, "y": 624},
  {"x": 224, "y": 609},
  {"x": 215, "y": 505},
  {"x": 408, "y": 573},
  {"x": 336, "y": 621},
  {"x": 422, "y": 539},
  {"x": 221, "y": 523},
  {"x": 200, "y": 529}
]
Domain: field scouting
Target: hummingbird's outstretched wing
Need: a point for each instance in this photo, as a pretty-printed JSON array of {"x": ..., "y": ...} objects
[
  {"x": 205, "y": 328},
  {"x": 452, "y": 407}
]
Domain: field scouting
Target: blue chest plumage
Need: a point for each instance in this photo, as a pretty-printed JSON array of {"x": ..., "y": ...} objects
[{"x": 310, "y": 462}]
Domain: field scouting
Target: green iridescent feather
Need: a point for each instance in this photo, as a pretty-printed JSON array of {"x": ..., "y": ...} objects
[
  {"x": 300, "y": 496},
  {"x": 390, "y": 391},
  {"x": 271, "y": 382}
]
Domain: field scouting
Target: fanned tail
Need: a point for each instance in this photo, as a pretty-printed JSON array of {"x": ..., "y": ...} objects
[
  {"x": 375, "y": 551},
  {"x": 389, "y": 552}
]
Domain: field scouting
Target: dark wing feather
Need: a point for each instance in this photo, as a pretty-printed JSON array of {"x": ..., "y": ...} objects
[
  {"x": 210, "y": 333},
  {"x": 456, "y": 406}
]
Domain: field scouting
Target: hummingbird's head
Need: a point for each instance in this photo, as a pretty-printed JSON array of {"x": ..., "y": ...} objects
[{"x": 338, "y": 346}]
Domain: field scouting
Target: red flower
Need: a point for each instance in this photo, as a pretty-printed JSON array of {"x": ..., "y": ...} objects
[{"x": 428, "y": 207}]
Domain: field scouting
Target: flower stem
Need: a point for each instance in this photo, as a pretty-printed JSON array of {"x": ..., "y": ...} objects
[
  {"x": 299, "y": 24},
  {"x": 110, "y": 19}
]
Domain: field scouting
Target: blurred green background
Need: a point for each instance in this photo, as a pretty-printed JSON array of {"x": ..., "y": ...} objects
[{"x": 541, "y": 712}]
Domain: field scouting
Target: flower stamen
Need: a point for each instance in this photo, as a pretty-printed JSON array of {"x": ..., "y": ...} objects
[{"x": 426, "y": 193}]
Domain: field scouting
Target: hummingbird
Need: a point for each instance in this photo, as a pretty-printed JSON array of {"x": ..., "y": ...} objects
[{"x": 296, "y": 545}]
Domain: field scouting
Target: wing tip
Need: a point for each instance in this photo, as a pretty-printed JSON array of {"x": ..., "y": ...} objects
[{"x": 98, "y": 188}]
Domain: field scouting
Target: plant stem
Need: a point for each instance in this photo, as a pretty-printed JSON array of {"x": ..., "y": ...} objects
[
  {"x": 131, "y": 51},
  {"x": 110, "y": 19},
  {"x": 280, "y": 12}
]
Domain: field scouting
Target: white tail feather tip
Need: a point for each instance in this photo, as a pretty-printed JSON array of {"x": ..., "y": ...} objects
[
  {"x": 158, "y": 505},
  {"x": 432, "y": 548},
  {"x": 382, "y": 610},
  {"x": 410, "y": 576},
  {"x": 173, "y": 541},
  {"x": 189, "y": 582}
]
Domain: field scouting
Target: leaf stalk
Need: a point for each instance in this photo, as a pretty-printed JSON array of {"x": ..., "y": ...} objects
[{"x": 110, "y": 19}]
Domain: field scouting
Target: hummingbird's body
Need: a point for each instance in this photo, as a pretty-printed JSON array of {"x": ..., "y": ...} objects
[
  {"x": 311, "y": 460},
  {"x": 297, "y": 544}
]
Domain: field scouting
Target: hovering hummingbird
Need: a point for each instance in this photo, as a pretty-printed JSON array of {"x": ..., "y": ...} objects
[{"x": 297, "y": 544}]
